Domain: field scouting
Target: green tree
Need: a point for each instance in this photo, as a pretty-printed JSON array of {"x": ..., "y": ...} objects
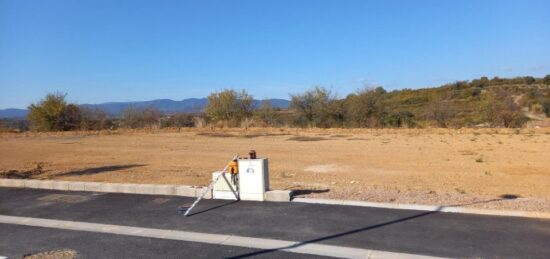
[
  {"x": 365, "y": 108},
  {"x": 315, "y": 108},
  {"x": 53, "y": 114},
  {"x": 72, "y": 117},
  {"x": 229, "y": 106}
]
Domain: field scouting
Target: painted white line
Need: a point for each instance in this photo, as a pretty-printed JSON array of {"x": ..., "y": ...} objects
[
  {"x": 452, "y": 209},
  {"x": 229, "y": 240}
]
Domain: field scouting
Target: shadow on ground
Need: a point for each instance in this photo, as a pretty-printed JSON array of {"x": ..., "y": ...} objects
[
  {"x": 299, "y": 192},
  {"x": 97, "y": 170},
  {"x": 370, "y": 227},
  {"x": 183, "y": 209}
]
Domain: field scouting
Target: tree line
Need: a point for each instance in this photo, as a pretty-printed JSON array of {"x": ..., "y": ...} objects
[{"x": 484, "y": 102}]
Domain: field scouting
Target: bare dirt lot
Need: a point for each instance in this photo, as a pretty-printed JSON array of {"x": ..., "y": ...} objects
[{"x": 487, "y": 168}]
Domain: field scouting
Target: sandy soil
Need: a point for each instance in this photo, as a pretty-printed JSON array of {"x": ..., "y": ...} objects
[{"x": 487, "y": 168}]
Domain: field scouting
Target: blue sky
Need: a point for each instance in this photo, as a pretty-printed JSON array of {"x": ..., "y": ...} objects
[{"x": 99, "y": 51}]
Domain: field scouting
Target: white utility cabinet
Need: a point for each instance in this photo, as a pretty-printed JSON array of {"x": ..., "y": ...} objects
[
  {"x": 253, "y": 179},
  {"x": 224, "y": 188}
]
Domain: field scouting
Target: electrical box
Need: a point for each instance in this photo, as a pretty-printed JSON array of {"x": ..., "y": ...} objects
[
  {"x": 224, "y": 188},
  {"x": 253, "y": 179}
]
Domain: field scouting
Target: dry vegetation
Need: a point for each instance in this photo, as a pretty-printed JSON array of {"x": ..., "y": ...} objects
[{"x": 481, "y": 167}]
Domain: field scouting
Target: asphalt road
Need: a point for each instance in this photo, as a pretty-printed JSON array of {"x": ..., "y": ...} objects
[
  {"x": 18, "y": 241},
  {"x": 404, "y": 231}
]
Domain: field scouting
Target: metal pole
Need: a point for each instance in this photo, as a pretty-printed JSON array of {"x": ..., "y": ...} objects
[{"x": 204, "y": 191}]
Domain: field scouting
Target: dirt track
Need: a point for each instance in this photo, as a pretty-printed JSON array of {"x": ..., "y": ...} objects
[{"x": 443, "y": 167}]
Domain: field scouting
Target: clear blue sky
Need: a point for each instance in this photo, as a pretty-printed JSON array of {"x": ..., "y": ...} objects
[{"x": 100, "y": 51}]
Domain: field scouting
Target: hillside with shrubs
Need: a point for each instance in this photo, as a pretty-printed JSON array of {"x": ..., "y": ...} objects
[{"x": 483, "y": 102}]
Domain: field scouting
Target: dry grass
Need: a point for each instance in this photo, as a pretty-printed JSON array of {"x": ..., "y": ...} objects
[{"x": 436, "y": 166}]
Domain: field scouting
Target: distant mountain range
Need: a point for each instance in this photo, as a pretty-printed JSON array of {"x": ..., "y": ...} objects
[{"x": 164, "y": 105}]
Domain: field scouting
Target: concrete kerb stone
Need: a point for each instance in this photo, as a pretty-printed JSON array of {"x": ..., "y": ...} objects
[
  {"x": 127, "y": 188},
  {"x": 13, "y": 183},
  {"x": 92, "y": 187},
  {"x": 46, "y": 184},
  {"x": 278, "y": 195},
  {"x": 60, "y": 185},
  {"x": 76, "y": 186},
  {"x": 199, "y": 190},
  {"x": 31, "y": 183},
  {"x": 184, "y": 190},
  {"x": 145, "y": 189},
  {"x": 111, "y": 187},
  {"x": 164, "y": 189}
]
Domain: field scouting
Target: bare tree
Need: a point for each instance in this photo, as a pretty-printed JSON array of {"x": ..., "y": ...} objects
[
  {"x": 502, "y": 110},
  {"x": 441, "y": 111}
]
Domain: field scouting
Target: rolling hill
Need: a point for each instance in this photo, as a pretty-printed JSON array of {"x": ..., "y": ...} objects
[{"x": 167, "y": 106}]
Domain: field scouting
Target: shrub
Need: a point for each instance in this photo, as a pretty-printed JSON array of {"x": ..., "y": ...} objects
[
  {"x": 229, "y": 106},
  {"x": 502, "y": 110},
  {"x": 365, "y": 108},
  {"x": 546, "y": 108},
  {"x": 267, "y": 115},
  {"x": 54, "y": 114},
  {"x": 132, "y": 117},
  {"x": 317, "y": 107},
  {"x": 95, "y": 119},
  {"x": 180, "y": 120},
  {"x": 441, "y": 111}
]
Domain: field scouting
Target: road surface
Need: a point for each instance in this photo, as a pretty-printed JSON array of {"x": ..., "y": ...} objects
[{"x": 105, "y": 225}]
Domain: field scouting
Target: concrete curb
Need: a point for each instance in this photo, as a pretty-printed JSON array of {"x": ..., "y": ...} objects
[
  {"x": 450, "y": 209},
  {"x": 152, "y": 189},
  {"x": 155, "y": 189},
  {"x": 278, "y": 195}
]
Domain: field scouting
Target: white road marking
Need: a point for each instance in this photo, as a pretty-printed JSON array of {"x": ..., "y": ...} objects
[{"x": 229, "y": 240}]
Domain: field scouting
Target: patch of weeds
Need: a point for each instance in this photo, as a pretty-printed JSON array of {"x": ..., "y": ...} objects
[
  {"x": 339, "y": 136},
  {"x": 306, "y": 138},
  {"x": 488, "y": 173},
  {"x": 461, "y": 191},
  {"x": 14, "y": 174},
  {"x": 479, "y": 160}
]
